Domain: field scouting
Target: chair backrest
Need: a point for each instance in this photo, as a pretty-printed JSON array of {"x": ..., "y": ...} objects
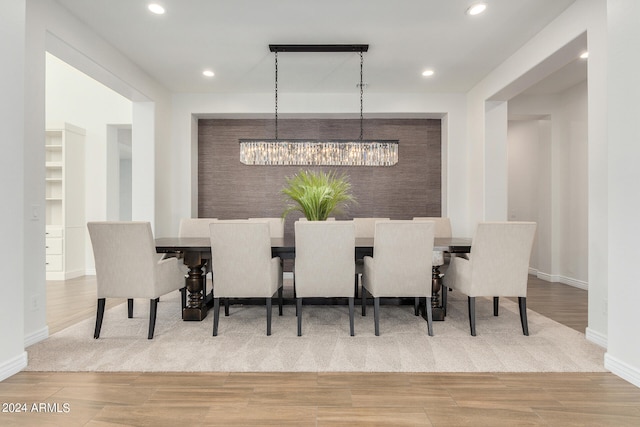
[
  {"x": 402, "y": 253},
  {"x": 443, "y": 224},
  {"x": 366, "y": 227},
  {"x": 241, "y": 258},
  {"x": 125, "y": 258},
  {"x": 500, "y": 253},
  {"x": 325, "y": 258},
  {"x": 276, "y": 225},
  {"x": 195, "y": 227}
]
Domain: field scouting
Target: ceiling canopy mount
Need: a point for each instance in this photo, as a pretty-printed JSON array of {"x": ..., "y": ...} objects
[{"x": 319, "y": 47}]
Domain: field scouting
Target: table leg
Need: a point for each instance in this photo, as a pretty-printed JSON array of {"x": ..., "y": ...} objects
[
  {"x": 436, "y": 289},
  {"x": 196, "y": 308},
  {"x": 437, "y": 308}
]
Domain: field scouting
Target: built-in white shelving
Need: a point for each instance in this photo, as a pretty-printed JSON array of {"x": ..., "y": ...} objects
[{"x": 64, "y": 198}]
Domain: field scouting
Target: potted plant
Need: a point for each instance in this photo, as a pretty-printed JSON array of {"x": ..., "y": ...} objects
[{"x": 317, "y": 194}]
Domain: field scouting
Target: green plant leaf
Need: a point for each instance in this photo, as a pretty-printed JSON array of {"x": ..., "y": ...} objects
[{"x": 317, "y": 194}]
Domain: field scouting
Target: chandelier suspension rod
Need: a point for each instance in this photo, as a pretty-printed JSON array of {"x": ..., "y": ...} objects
[
  {"x": 361, "y": 95},
  {"x": 276, "y": 131}
]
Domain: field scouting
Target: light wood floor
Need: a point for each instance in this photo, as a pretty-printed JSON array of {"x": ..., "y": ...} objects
[{"x": 323, "y": 399}]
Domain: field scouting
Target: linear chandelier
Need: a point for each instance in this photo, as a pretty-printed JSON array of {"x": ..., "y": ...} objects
[{"x": 308, "y": 152}]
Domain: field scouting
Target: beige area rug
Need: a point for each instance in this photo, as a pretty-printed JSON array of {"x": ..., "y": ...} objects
[{"x": 242, "y": 346}]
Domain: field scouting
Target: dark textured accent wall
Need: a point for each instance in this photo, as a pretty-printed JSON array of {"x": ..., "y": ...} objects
[{"x": 228, "y": 189}]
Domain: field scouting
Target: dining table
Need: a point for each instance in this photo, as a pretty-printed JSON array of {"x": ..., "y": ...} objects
[{"x": 196, "y": 252}]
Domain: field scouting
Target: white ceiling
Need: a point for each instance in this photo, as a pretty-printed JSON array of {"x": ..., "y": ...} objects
[{"x": 231, "y": 37}]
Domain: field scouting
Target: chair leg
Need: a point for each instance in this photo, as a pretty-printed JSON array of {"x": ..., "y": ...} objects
[
  {"x": 153, "y": 310},
  {"x": 416, "y": 306},
  {"x": 280, "y": 301},
  {"x": 355, "y": 286},
  {"x": 295, "y": 293},
  {"x": 522, "y": 304},
  {"x": 226, "y": 307},
  {"x": 99, "y": 317},
  {"x": 216, "y": 315},
  {"x": 351, "y": 310},
  {"x": 376, "y": 315},
  {"x": 444, "y": 290},
  {"x": 496, "y": 303},
  {"x": 130, "y": 308},
  {"x": 429, "y": 311},
  {"x": 364, "y": 301},
  {"x": 299, "y": 312},
  {"x": 472, "y": 315},
  {"x": 268, "y": 316}
]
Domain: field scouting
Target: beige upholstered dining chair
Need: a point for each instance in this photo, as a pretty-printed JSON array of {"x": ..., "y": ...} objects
[
  {"x": 364, "y": 228},
  {"x": 276, "y": 226},
  {"x": 243, "y": 266},
  {"x": 127, "y": 266},
  {"x": 324, "y": 264},
  {"x": 443, "y": 229},
  {"x": 398, "y": 267},
  {"x": 498, "y": 266},
  {"x": 195, "y": 227}
]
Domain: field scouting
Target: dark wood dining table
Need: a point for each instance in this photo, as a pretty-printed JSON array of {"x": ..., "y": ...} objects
[{"x": 196, "y": 251}]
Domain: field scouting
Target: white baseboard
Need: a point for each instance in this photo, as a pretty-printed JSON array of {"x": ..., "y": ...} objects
[
  {"x": 580, "y": 284},
  {"x": 13, "y": 366},
  {"x": 55, "y": 275},
  {"x": 596, "y": 337},
  {"x": 66, "y": 275},
  {"x": 556, "y": 278},
  {"x": 36, "y": 336},
  {"x": 90, "y": 272},
  {"x": 622, "y": 369},
  {"x": 73, "y": 274}
]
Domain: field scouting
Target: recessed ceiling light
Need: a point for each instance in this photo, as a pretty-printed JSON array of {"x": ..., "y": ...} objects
[
  {"x": 428, "y": 73},
  {"x": 208, "y": 73},
  {"x": 584, "y": 55},
  {"x": 156, "y": 8},
  {"x": 476, "y": 9}
]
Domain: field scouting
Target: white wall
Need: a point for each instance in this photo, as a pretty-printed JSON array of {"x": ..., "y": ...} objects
[
  {"x": 125, "y": 189},
  {"x": 525, "y": 170},
  {"x": 623, "y": 353},
  {"x": 13, "y": 216},
  {"x": 35, "y": 326},
  {"x": 187, "y": 107},
  {"x": 548, "y": 181},
  {"x": 574, "y": 173},
  {"x": 495, "y": 161},
  {"x": 74, "y": 97}
]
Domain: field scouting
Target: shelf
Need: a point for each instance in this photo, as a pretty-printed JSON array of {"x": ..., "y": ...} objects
[
  {"x": 54, "y": 179},
  {"x": 57, "y": 165},
  {"x": 53, "y": 199}
]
